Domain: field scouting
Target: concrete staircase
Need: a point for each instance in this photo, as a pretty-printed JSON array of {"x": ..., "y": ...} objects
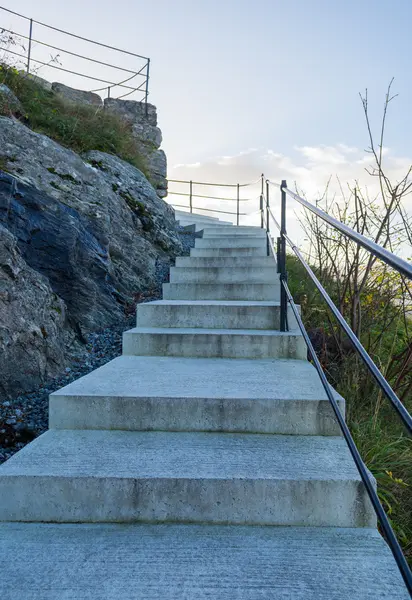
[{"x": 203, "y": 463}]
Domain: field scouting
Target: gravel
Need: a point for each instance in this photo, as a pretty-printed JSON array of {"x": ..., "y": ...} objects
[{"x": 25, "y": 417}]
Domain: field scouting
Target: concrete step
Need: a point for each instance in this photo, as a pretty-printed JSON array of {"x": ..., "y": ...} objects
[
  {"x": 222, "y": 291},
  {"x": 234, "y": 233},
  {"x": 213, "y": 343},
  {"x": 228, "y": 252},
  {"x": 198, "y": 394},
  {"x": 123, "y": 476},
  {"x": 238, "y": 241},
  {"x": 222, "y": 261},
  {"x": 234, "y": 230},
  {"x": 208, "y": 562},
  {"x": 243, "y": 274},
  {"x": 211, "y": 314}
]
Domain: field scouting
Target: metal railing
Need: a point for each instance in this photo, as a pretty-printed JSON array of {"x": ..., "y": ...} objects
[
  {"x": 286, "y": 298},
  {"x": 191, "y": 195},
  {"x": 113, "y": 76}
]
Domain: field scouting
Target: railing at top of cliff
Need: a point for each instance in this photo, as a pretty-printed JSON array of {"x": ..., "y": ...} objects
[
  {"x": 31, "y": 55},
  {"x": 187, "y": 189}
]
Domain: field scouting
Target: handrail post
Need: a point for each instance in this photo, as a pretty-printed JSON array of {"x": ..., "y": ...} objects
[
  {"x": 190, "y": 195},
  {"x": 261, "y": 200},
  {"x": 282, "y": 260},
  {"x": 267, "y": 218},
  {"x": 147, "y": 84},
  {"x": 29, "y": 48},
  {"x": 237, "y": 203}
]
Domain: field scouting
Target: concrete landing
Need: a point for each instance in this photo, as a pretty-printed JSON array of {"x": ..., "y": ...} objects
[
  {"x": 189, "y": 562},
  {"x": 188, "y": 394},
  {"x": 124, "y": 476}
]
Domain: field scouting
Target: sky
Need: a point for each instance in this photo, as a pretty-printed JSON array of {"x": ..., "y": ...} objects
[{"x": 244, "y": 87}]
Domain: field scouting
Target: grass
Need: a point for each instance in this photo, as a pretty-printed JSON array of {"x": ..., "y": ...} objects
[
  {"x": 377, "y": 430},
  {"x": 79, "y": 127}
]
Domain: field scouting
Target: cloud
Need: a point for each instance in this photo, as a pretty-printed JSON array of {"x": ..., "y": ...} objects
[{"x": 309, "y": 168}]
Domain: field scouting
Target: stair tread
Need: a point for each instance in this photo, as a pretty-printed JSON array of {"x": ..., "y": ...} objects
[
  {"x": 175, "y": 377},
  {"x": 182, "y": 455},
  {"x": 158, "y": 562}
]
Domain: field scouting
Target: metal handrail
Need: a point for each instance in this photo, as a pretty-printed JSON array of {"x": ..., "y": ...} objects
[
  {"x": 389, "y": 258},
  {"x": 380, "y": 379}
]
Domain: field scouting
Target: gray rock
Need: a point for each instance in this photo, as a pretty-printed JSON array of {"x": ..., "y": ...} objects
[
  {"x": 132, "y": 111},
  {"x": 93, "y": 224},
  {"x": 46, "y": 85},
  {"x": 33, "y": 332},
  {"x": 9, "y": 103},
  {"x": 77, "y": 96},
  {"x": 147, "y": 133}
]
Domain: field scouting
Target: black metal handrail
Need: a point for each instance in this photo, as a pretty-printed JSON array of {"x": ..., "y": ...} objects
[
  {"x": 142, "y": 71},
  {"x": 390, "y": 259}
]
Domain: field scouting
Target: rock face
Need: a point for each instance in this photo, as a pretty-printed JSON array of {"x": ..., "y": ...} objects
[
  {"x": 92, "y": 225},
  {"x": 148, "y": 136},
  {"x": 33, "y": 332},
  {"x": 9, "y": 103},
  {"x": 77, "y": 96}
]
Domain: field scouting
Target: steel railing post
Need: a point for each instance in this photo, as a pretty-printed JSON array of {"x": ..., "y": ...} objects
[
  {"x": 237, "y": 203},
  {"x": 29, "y": 47},
  {"x": 267, "y": 218},
  {"x": 282, "y": 260},
  {"x": 190, "y": 195},
  {"x": 147, "y": 84},
  {"x": 261, "y": 200}
]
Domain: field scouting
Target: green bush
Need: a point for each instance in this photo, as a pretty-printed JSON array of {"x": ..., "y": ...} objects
[{"x": 374, "y": 424}]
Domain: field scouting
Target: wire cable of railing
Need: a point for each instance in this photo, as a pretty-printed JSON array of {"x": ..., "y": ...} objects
[
  {"x": 233, "y": 185},
  {"x": 388, "y": 257},
  {"x": 380, "y": 379},
  {"x": 79, "y": 37},
  {"x": 99, "y": 62},
  {"x": 111, "y": 83},
  {"x": 210, "y": 197}
]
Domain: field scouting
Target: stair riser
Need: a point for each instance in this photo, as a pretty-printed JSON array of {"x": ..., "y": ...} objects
[
  {"x": 211, "y": 316},
  {"x": 225, "y": 262},
  {"x": 227, "y": 252},
  {"x": 224, "y": 275},
  {"x": 221, "y": 291},
  {"x": 289, "y": 417},
  {"x": 214, "y": 345},
  {"x": 231, "y": 242},
  {"x": 236, "y": 501},
  {"x": 224, "y": 235}
]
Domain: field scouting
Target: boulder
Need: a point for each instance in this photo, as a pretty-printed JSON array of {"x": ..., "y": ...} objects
[
  {"x": 132, "y": 111},
  {"x": 9, "y": 103},
  {"x": 33, "y": 331},
  {"x": 77, "y": 96}
]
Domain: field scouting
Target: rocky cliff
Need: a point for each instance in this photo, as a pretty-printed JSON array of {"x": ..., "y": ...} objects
[{"x": 80, "y": 237}]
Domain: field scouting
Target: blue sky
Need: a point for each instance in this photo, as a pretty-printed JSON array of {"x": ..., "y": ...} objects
[{"x": 234, "y": 76}]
